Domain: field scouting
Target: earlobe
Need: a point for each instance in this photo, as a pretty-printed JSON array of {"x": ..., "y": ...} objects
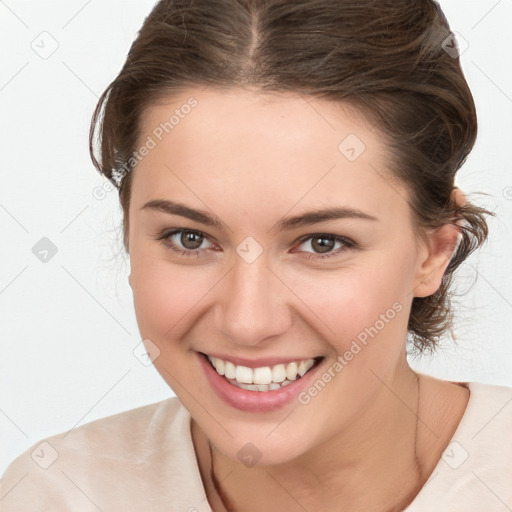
[{"x": 440, "y": 247}]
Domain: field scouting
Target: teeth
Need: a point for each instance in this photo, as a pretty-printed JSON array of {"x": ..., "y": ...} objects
[
  {"x": 291, "y": 371},
  {"x": 278, "y": 373},
  {"x": 243, "y": 374},
  {"x": 229, "y": 369},
  {"x": 262, "y": 375},
  {"x": 260, "y": 387},
  {"x": 305, "y": 366},
  {"x": 263, "y": 378},
  {"x": 219, "y": 365}
]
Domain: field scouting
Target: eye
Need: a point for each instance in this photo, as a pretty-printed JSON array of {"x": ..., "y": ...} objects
[
  {"x": 322, "y": 245},
  {"x": 190, "y": 243},
  {"x": 186, "y": 242}
]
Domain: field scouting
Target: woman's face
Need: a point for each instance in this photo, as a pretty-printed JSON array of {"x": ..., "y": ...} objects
[{"x": 296, "y": 244}]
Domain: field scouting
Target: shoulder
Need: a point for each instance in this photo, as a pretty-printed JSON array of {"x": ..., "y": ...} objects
[
  {"x": 487, "y": 420},
  {"x": 475, "y": 469},
  {"x": 486, "y": 425},
  {"x": 114, "y": 463}
]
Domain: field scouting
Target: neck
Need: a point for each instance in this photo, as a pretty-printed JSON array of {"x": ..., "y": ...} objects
[{"x": 374, "y": 452}]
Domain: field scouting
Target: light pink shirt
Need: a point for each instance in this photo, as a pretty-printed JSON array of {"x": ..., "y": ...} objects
[{"x": 144, "y": 460}]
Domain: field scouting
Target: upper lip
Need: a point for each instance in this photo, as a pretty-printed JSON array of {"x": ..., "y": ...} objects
[{"x": 258, "y": 363}]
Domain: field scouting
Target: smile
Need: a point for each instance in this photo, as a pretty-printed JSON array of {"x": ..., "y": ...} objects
[
  {"x": 248, "y": 387},
  {"x": 264, "y": 378}
]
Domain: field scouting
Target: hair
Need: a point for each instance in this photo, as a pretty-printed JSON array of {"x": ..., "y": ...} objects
[{"x": 394, "y": 60}]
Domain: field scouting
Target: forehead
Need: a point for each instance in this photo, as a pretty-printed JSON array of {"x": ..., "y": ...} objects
[
  {"x": 258, "y": 118},
  {"x": 247, "y": 149}
]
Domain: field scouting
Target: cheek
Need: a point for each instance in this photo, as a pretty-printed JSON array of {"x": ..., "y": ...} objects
[
  {"x": 164, "y": 295},
  {"x": 362, "y": 303}
]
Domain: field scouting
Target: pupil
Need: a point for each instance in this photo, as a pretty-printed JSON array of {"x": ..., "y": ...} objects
[
  {"x": 323, "y": 244},
  {"x": 191, "y": 240}
]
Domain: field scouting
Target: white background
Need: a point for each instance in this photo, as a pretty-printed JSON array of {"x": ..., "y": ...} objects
[{"x": 67, "y": 326}]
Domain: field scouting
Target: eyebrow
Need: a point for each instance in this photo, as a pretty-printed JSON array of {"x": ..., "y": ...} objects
[{"x": 288, "y": 223}]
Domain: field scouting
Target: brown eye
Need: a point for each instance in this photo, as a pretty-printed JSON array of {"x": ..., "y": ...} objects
[
  {"x": 323, "y": 244},
  {"x": 186, "y": 242},
  {"x": 191, "y": 240}
]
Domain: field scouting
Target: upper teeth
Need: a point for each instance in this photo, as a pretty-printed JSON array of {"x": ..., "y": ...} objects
[{"x": 264, "y": 374}]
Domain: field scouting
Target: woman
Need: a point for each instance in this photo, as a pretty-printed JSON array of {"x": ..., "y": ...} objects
[{"x": 287, "y": 177}]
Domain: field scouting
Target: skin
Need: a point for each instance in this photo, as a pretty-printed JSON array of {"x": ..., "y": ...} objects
[{"x": 250, "y": 159}]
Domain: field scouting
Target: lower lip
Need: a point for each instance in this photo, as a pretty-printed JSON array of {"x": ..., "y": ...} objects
[{"x": 254, "y": 401}]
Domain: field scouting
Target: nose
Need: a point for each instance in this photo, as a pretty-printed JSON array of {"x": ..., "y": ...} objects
[{"x": 252, "y": 305}]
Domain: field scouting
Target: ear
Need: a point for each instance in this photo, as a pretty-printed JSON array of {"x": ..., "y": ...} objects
[{"x": 434, "y": 256}]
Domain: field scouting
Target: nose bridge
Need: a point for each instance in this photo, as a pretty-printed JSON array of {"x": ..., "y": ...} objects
[{"x": 251, "y": 307}]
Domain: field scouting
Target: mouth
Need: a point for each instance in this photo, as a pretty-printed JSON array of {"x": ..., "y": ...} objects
[
  {"x": 252, "y": 388},
  {"x": 263, "y": 379}
]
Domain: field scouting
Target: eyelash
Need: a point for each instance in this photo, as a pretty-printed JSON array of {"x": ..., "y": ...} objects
[{"x": 348, "y": 244}]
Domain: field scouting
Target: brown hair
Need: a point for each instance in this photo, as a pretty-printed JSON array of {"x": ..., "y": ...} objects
[{"x": 392, "y": 59}]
